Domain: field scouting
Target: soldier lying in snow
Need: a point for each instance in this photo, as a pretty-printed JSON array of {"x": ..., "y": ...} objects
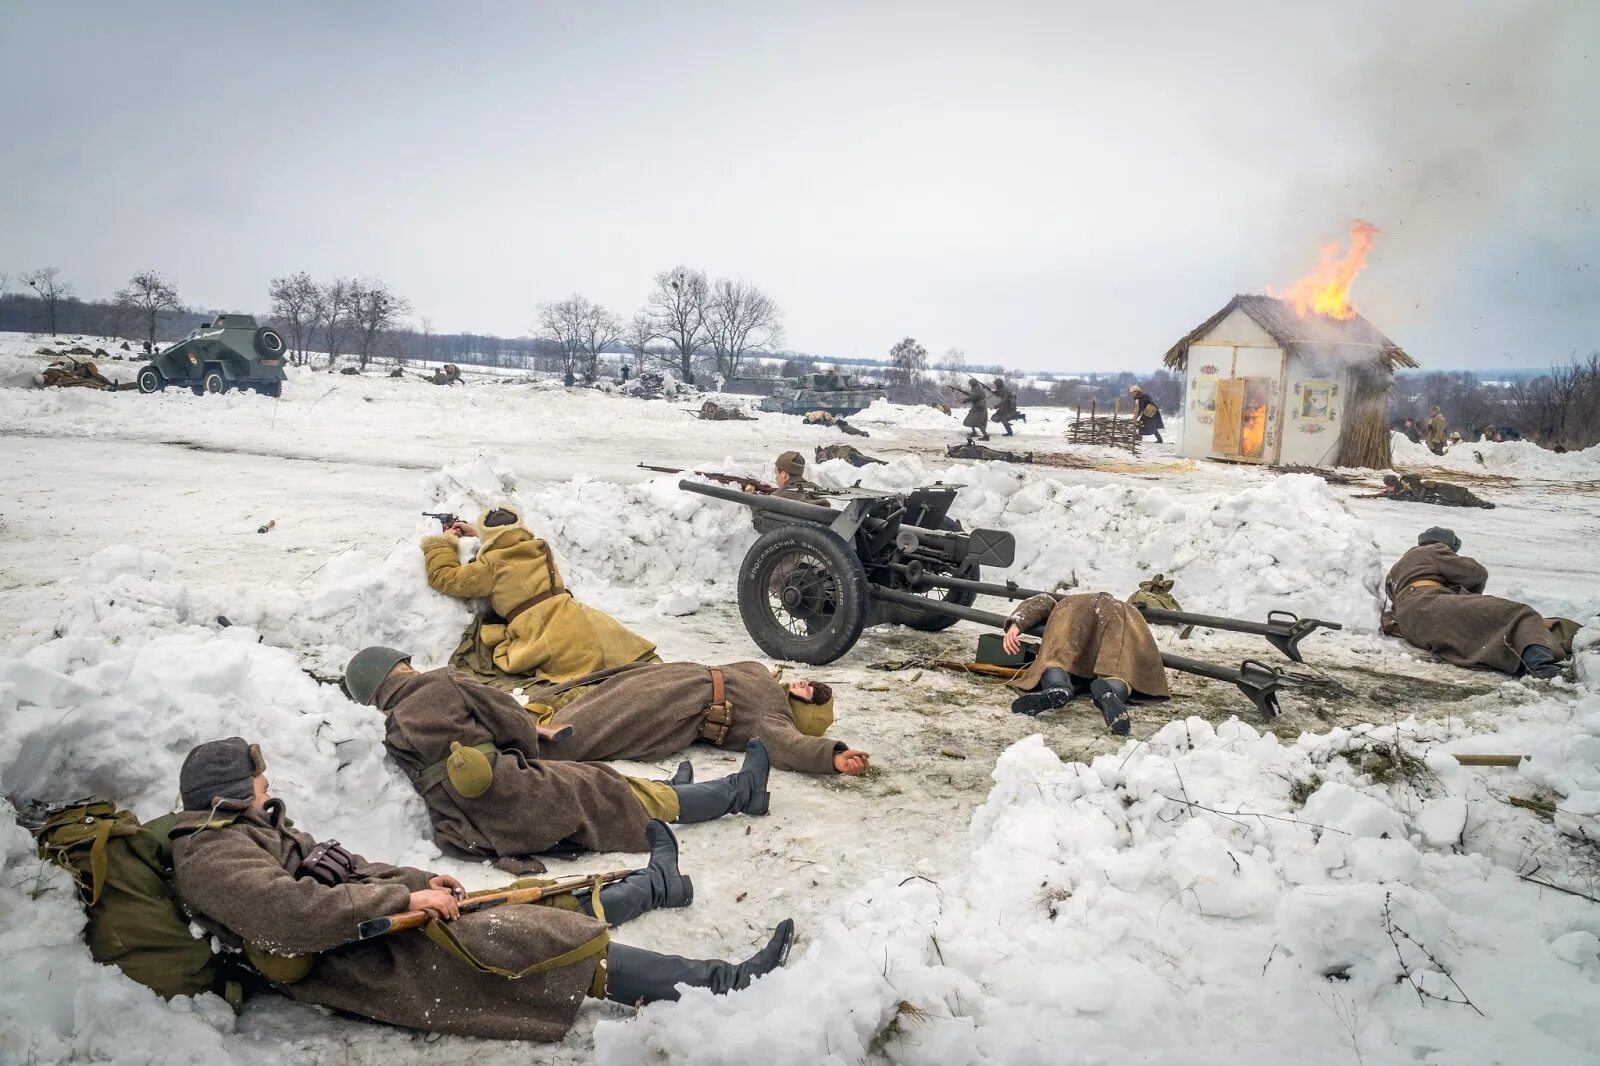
[
  {"x": 1415, "y": 489},
  {"x": 475, "y": 756},
  {"x": 514, "y": 972},
  {"x": 1092, "y": 643},
  {"x": 547, "y": 633},
  {"x": 1436, "y": 602}
]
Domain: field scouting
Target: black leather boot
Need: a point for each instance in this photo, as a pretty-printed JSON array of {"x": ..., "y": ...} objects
[
  {"x": 742, "y": 793},
  {"x": 684, "y": 775},
  {"x": 656, "y": 886},
  {"x": 636, "y": 976},
  {"x": 1538, "y": 661},
  {"x": 1109, "y": 695},
  {"x": 1055, "y": 690}
]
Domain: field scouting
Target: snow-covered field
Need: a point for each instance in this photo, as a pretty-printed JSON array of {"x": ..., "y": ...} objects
[{"x": 997, "y": 889}]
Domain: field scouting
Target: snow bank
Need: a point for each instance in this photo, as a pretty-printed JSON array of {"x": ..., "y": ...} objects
[
  {"x": 1173, "y": 903},
  {"x": 904, "y": 416},
  {"x": 1512, "y": 458},
  {"x": 1289, "y": 544}
]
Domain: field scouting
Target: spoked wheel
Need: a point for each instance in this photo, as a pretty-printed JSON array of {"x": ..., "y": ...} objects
[{"x": 803, "y": 594}]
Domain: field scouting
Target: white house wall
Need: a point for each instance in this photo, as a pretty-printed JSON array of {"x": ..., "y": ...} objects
[
  {"x": 1239, "y": 328},
  {"x": 1234, "y": 348},
  {"x": 1314, "y": 413}
]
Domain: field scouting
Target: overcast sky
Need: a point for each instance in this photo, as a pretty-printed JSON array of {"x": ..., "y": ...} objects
[{"x": 1051, "y": 185}]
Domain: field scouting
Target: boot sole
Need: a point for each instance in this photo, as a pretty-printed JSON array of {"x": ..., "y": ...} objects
[{"x": 1036, "y": 703}]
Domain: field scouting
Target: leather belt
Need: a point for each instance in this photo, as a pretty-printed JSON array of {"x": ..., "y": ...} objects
[
  {"x": 534, "y": 601},
  {"x": 1424, "y": 583},
  {"x": 719, "y": 715}
]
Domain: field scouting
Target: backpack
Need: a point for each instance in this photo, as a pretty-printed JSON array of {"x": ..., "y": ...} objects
[{"x": 123, "y": 871}]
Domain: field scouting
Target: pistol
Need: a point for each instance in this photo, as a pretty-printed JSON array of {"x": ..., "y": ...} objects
[{"x": 445, "y": 518}]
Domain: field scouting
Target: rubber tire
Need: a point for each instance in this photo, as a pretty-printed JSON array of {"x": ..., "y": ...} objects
[
  {"x": 850, "y": 607},
  {"x": 213, "y": 382},
  {"x": 931, "y": 622},
  {"x": 270, "y": 388},
  {"x": 150, "y": 380},
  {"x": 269, "y": 343}
]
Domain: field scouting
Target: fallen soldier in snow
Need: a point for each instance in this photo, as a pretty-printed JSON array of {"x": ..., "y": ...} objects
[
  {"x": 1092, "y": 643},
  {"x": 547, "y": 634},
  {"x": 828, "y": 418},
  {"x": 849, "y": 453},
  {"x": 1436, "y": 602},
  {"x": 515, "y": 972},
  {"x": 74, "y": 373},
  {"x": 647, "y": 710},
  {"x": 492, "y": 787},
  {"x": 1414, "y": 489},
  {"x": 711, "y": 411}
]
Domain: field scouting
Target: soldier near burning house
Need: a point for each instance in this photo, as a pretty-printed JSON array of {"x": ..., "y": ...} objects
[
  {"x": 1092, "y": 643},
  {"x": 516, "y": 972},
  {"x": 789, "y": 474},
  {"x": 1146, "y": 413},
  {"x": 1436, "y": 435},
  {"x": 475, "y": 756},
  {"x": 1416, "y": 489},
  {"x": 649, "y": 710},
  {"x": 545, "y": 633},
  {"x": 1005, "y": 408},
  {"x": 1436, "y": 602},
  {"x": 1413, "y": 434}
]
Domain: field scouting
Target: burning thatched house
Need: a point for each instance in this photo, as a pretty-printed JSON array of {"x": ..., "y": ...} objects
[{"x": 1268, "y": 382}]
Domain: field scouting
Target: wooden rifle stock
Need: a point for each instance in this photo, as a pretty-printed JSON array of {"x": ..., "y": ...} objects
[
  {"x": 479, "y": 901},
  {"x": 755, "y": 485}
]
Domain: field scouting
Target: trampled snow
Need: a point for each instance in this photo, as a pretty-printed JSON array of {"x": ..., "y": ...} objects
[{"x": 1204, "y": 893}]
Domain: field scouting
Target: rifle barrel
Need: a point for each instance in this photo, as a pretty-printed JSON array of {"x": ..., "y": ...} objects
[{"x": 398, "y": 923}]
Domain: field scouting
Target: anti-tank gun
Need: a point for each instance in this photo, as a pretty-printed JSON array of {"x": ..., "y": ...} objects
[{"x": 808, "y": 587}]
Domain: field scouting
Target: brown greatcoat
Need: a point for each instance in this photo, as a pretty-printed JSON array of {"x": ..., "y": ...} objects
[
  {"x": 647, "y": 710},
  {"x": 238, "y": 879},
  {"x": 797, "y": 488},
  {"x": 533, "y": 804},
  {"x": 1092, "y": 635},
  {"x": 555, "y": 639},
  {"x": 1456, "y": 622}
]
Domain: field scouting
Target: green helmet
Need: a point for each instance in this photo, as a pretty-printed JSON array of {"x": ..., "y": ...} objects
[{"x": 367, "y": 669}]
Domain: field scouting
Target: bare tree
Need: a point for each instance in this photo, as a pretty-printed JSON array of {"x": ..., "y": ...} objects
[
  {"x": 331, "y": 316},
  {"x": 678, "y": 305},
  {"x": 597, "y": 329},
  {"x": 295, "y": 299},
  {"x": 563, "y": 323},
  {"x": 640, "y": 334},
  {"x": 907, "y": 360},
  {"x": 46, "y": 281},
  {"x": 374, "y": 310},
  {"x": 741, "y": 320},
  {"x": 146, "y": 295}
]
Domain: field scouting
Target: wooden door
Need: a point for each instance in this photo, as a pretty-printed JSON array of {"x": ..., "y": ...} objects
[{"x": 1230, "y": 410}]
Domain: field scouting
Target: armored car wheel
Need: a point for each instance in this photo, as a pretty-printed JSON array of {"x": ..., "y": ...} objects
[
  {"x": 150, "y": 380},
  {"x": 213, "y": 383},
  {"x": 803, "y": 594}
]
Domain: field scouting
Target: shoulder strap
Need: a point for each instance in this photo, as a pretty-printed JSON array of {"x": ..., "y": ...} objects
[
  {"x": 719, "y": 715},
  {"x": 443, "y": 936}
]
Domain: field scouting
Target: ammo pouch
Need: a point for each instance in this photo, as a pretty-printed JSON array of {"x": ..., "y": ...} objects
[
  {"x": 719, "y": 715},
  {"x": 328, "y": 863}
]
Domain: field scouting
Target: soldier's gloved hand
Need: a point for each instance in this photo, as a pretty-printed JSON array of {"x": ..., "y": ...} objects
[{"x": 439, "y": 902}]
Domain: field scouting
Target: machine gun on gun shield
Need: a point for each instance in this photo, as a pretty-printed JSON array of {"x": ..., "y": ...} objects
[{"x": 808, "y": 588}]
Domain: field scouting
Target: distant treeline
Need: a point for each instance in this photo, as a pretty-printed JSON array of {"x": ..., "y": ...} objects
[{"x": 1559, "y": 406}]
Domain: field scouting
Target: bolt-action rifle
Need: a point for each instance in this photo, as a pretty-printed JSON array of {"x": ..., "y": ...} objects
[
  {"x": 480, "y": 901},
  {"x": 748, "y": 484}
]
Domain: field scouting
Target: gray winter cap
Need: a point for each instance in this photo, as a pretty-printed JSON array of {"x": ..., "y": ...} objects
[
  {"x": 367, "y": 669},
  {"x": 1440, "y": 535},
  {"x": 220, "y": 769}
]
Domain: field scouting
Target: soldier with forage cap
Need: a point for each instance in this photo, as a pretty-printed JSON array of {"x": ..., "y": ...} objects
[
  {"x": 511, "y": 972},
  {"x": 789, "y": 474},
  {"x": 1436, "y": 602}
]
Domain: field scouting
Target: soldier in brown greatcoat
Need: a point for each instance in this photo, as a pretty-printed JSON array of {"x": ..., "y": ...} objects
[
  {"x": 789, "y": 474},
  {"x": 475, "y": 756},
  {"x": 1092, "y": 642},
  {"x": 1437, "y": 603},
  {"x": 512, "y": 972}
]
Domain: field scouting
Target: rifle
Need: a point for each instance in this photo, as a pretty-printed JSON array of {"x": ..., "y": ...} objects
[
  {"x": 445, "y": 518},
  {"x": 748, "y": 484},
  {"x": 481, "y": 901}
]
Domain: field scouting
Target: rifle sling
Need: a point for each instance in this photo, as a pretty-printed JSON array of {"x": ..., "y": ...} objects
[{"x": 443, "y": 936}]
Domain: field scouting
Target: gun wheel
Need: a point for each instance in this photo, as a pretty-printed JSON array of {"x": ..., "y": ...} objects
[{"x": 803, "y": 594}]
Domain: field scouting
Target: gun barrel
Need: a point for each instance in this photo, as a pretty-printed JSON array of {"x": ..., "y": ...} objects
[{"x": 809, "y": 512}]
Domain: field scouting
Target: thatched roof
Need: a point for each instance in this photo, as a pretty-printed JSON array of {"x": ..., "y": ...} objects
[{"x": 1299, "y": 335}]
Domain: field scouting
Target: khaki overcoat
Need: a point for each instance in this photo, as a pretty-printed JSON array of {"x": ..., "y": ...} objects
[
  {"x": 238, "y": 879},
  {"x": 1456, "y": 621},
  {"x": 1092, "y": 635}
]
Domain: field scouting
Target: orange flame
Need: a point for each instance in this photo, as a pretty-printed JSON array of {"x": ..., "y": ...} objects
[
  {"x": 1326, "y": 290},
  {"x": 1253, "y": 431}
]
